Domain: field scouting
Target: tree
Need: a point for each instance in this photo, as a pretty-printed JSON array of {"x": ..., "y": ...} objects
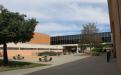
[
  {"x": 14, "y": 27},
  {"x": 89, "y": 36}
]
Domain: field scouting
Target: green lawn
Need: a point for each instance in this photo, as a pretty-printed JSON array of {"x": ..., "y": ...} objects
[{"x": 13, "y": 65}]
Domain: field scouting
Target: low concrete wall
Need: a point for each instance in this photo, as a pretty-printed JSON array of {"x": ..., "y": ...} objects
[{"x": 27, "y": 53}]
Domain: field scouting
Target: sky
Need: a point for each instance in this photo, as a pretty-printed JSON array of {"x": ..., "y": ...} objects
[{"x": 62, "y": 17}]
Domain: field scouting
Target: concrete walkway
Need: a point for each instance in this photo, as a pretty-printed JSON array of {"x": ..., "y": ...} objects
[
  {"x": 58, "y": 60},
  {"x": 72, "y": 65},
  {"x": 87, "y": 66}
]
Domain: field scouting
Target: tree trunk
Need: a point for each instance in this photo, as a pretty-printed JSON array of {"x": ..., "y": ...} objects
[{"x": 5, "y": 55}]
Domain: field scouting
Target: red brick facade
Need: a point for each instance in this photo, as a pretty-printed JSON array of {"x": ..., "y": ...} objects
[{"x": 40, "y": 38}]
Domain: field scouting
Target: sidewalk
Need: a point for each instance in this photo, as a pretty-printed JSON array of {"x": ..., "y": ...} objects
[
  {"x": 95, "y": 65},
  {"x": 59, "y": 60}
]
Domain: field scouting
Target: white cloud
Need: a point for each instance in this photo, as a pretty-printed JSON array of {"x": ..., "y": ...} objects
[
  {"x": 64, "y": 33},
  {"x": 86, "y": 14},
  {"x": 68, "y": 10},
  {"x": 59, "y": 9},
  {"x": 36, "y": 14},
  {"x": 54, "y": 27},
  {"x": 50, "y": 1}
]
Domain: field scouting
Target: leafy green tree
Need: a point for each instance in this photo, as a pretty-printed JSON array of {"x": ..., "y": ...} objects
[
  {"x": 89, "y": 36},
  {"x": 14, "y": 27}
]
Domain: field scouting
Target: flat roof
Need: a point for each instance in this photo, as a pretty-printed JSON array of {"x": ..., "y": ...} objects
[{"x": 26, "y": 45}]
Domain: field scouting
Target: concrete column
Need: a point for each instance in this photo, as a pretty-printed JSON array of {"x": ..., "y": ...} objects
[{"x": 77, "y": 51}]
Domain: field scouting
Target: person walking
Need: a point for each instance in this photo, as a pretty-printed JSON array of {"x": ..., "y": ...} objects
[{"x": 108, "y": 55}]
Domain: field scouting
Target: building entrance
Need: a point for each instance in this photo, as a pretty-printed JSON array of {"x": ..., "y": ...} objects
[{"x": 70, "y": 49}]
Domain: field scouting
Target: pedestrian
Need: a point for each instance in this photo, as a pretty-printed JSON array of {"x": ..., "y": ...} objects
[{"x": 108, "y": 55}]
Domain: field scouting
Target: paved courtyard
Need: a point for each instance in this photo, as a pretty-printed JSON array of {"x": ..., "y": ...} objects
[
  {"x": 57, "y": 60},
  {"x": 87, "y": 66},
  {"x": 72, "y": 65}
]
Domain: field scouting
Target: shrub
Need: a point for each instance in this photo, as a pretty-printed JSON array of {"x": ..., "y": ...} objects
[
  {"x": 14, "y": 57},
  {"x": 40, "y": 59},
  {"x": 96, "y": 51},
  {"x": 49, "y": 53},
  {"x": 50, "y": 59}
]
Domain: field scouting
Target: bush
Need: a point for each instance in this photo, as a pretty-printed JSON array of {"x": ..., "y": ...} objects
[
  {"x": 14, "y": 57},
  {"x": 50, "y": 59},
  {"x": 49, "y": 53},
  {"x": 40, "y": 59},
  {"x": 96, "y": 51}
]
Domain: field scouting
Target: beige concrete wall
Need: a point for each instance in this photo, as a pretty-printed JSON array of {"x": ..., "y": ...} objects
[
  {"x": 27, "y": 53},
  {"x": 115, "y": 20}
]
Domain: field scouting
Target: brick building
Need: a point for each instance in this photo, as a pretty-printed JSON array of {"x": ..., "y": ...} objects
[{"x": 40, "y": 38}]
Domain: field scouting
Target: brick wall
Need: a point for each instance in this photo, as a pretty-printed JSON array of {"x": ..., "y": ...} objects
[{"x": 40, "y": 38}]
